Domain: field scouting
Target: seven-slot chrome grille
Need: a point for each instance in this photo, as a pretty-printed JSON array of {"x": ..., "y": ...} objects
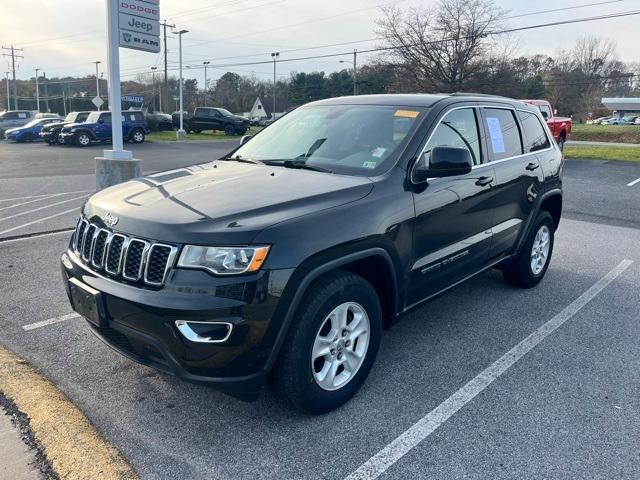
[{"x": 122, "y": 256}]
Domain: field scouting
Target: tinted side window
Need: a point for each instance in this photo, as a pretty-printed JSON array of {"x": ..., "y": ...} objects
[
  {"x": 201, "y": 112},
  {"x": 458, "y": 128},
  {"x": 545, "y": 110},
  {"x": 502, "y": 132},
  {"x": 10, "y": 116},
  {"x": 106, "y": 117},
  {"x": 536, "y": 137}
]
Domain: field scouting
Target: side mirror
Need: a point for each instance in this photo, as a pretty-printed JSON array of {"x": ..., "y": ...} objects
[
  {"x": 443, "y": 162},
  {"x": 245, "y": 139}
]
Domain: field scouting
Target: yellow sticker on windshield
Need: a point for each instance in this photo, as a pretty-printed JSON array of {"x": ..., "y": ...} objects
[{"x": 406, "y": 113}]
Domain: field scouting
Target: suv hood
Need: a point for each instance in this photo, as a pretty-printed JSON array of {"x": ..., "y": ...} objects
[
  {"x": 221, "y": 202},
  {"x": 50, "y": 126}
]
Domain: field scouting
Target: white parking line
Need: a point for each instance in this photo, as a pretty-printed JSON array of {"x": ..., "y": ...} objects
[
  {"x": 43, "y": 195},
  {"x": 39, "y": 220},
  {"x": 42, "y": 208},
  {"x": 631, "y": 184},
  {"x": 37, "y": 200},
  {"x": 50, "y": 321},
  {"x": 385, "y": 458}
]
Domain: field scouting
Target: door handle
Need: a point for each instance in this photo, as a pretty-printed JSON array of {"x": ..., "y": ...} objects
[
  {"x": 483, "y": 181},
  {"x": 532, "y": 166}
]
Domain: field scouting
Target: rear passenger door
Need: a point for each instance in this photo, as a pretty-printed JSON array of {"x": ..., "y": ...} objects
[
  {"x": 518, "y": 176},
  {"x": 452, "y": 229}
]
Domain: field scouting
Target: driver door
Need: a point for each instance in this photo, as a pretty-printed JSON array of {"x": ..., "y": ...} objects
[{"x": 454, "y": 215}]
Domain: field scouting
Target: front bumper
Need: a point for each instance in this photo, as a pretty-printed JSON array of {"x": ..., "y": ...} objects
[
  {"x": 141, "y": 323},
  {"x": 48, "y": 136},
  {"x": 66, "y": 137}
]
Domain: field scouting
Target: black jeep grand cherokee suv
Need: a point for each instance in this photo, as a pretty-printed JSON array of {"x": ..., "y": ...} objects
[{"x": 284, "y": 260}]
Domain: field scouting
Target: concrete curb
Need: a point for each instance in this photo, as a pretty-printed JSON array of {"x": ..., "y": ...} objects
[{"x": 70, "y": 443}]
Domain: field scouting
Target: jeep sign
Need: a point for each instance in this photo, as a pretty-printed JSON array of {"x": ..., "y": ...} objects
[{"x": 139, "y": 24}]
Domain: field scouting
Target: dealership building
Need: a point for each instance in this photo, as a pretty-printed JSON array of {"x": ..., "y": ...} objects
[{"x": 622, "y": 106}]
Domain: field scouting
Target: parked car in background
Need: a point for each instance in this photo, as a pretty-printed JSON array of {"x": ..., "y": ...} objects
[
  {"x": 560, "y": 126},
  {"x": 628, "y": 120},
  {"x": 15, "y": 118},
  {"x": 51, "y": 131},
  {"x": 210, "y": 118},
  {"x": 159, "y": 121},
  {"x": 29, "y": 132},
  {"x": 55, "y": 116},
  {"x": 596, "y": 121},
  {"x": 97, "y": 128},
  {"x": 637, "y": 121}
]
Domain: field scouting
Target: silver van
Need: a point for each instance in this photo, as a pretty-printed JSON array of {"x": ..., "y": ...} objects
[{"x": 15, "y": 118}]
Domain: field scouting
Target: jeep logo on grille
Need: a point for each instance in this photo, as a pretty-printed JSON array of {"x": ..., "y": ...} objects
[{"x": 109, "y": 219}]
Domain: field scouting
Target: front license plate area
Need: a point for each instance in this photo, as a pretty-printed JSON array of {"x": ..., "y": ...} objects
[{"x": 87, "y": 302}]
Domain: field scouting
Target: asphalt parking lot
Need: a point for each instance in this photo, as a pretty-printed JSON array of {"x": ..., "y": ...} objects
[{"x": 563, "y": 404}]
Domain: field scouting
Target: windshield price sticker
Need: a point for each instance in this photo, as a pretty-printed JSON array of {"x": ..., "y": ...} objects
[{"x": 406, "y": 113}]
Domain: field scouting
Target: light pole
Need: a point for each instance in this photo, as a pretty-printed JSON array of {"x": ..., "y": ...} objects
[
  {"x": 46, "y": 92},
  {"x": 355, "y": 72},
  {"x": 8, "y": 97},
  {"x": 180, "y": 132},
  {"x": 275, "y": 56},
  {"x": 37, "y": 91},
  {"x": 205, "y": 82},
  {"x": 153, "y": 84},
  {"x": 97, "y": 62}
]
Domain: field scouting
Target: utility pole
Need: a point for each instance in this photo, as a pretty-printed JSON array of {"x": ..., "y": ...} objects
[
  {"x": 8, "y": 98},
  {"x": 153, "y": 85},
  {"x": 97, "y": 62},
  {"x": 46, "y": 91},
  {"x": 355, "y": 72},
  {"x": 37, "y": 91},
  {"x": 13, "y": 56},
  {"x": 205, "y": 81},
  {"x": 275, "y": 56},
  {"x": 166, "y": 79}
]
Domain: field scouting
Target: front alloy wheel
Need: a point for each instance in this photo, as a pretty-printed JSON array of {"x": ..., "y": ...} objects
[
  {"x": 83, "y": 140},
  {"x": 340, "y": 346},
  {"x": 331, "y": 344}
]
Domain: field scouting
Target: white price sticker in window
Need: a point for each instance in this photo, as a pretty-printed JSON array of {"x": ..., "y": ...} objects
[{"x": 495, "y": 132}]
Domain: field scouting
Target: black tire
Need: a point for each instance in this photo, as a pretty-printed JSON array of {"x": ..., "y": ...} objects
[
  {"x": 520, "y": 272},
  {"x": 137, "y": 136},
  {"x": 197, "y": 130},
  {"x": 229, "y": 130},
  {"x": 561, "y": 141},
  {"x": 293, "y": 375},
  {"x": 83, "y": 139}
]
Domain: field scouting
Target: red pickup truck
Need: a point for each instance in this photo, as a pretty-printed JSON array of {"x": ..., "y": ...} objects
[{"x": 560, "y": 126}]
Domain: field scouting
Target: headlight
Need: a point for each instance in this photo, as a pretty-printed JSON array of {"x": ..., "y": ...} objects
[{"x": 223, "y": 260}]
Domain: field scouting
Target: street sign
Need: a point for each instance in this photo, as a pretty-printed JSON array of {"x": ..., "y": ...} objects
[
  {"x": 133, "y": 98},
  {"x": 175, "y": 97},
  {"x": 97, "y": 101},
  {"x": 139, "y": 25}
]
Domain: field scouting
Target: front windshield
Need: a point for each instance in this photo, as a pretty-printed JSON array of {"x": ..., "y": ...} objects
[
  {"x": 350, "y": 139},
  {"x": 93, "y": 117},
  {"x": 70, "y": 117},
  {"x": 225, "y": 112}
]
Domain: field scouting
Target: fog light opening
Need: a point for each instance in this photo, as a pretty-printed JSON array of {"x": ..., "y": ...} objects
[{"x": 204, "y": 332}]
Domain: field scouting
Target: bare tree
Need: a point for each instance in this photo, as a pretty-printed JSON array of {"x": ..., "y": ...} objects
[{"x": 440, "y": 48}]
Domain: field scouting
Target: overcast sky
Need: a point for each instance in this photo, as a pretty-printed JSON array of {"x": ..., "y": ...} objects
[{"x": 63, "y": 37}]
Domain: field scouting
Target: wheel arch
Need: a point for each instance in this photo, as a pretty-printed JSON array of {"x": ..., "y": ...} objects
[
  {"x": 552, "y": 203},
  {"x": 365, "y": 263}
]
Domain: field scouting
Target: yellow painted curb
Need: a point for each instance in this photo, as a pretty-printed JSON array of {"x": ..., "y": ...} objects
[{"x": 72, "y": 445}]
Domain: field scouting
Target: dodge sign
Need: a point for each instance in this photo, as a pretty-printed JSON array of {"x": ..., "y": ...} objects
[{"x": 139, "y": 24}]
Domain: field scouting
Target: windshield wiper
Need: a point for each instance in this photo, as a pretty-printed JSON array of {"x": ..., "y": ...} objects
[
  {"x": 297, "y": 164},
  {"x": 239, "y": 158}
]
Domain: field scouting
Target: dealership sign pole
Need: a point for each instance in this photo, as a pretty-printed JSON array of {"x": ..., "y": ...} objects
[{"x": 131, "y": 24}]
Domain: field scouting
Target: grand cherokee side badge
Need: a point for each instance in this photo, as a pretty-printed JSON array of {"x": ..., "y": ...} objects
[{"x": 109, "y": 219}]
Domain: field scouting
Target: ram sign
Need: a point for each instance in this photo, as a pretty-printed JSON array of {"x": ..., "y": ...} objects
[{"x": 139, "y": 24}]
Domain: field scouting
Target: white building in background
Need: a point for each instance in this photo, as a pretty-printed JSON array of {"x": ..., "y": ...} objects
[
  {"x": 622, "y": 105},
  {"x": 257, "y": 111},
  {"x": 263, "y": 110}
]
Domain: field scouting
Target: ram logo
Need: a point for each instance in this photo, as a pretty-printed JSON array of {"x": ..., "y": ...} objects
[{"x": 126, "y": 37}]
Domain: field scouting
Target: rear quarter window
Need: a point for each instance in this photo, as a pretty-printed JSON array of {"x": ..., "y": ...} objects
[
  {"x": 503, "y": 134},
  {"x": 535, "y": 135}
]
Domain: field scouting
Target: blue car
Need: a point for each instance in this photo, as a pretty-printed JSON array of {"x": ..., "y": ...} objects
[
  {"x": 97, "y": 128},
  {"x": 29, "y": 132}
]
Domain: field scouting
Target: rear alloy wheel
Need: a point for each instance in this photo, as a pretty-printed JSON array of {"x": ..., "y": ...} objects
[
  {"x": 83, "y": 140},
  {"x": 331, "y": 344},
  {"x": 528, "y": 268},
  {"x": 137, "y": 136},
  {"x": 561, "y": 144},
  {"x": 229, "y": 130}
]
